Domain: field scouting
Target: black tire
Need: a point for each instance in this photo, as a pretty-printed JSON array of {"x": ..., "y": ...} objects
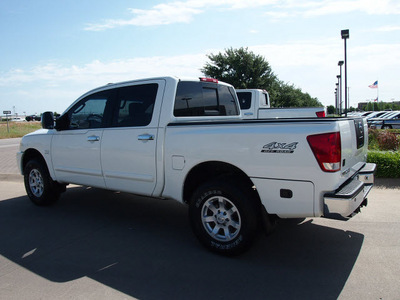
[
  {"x": 39, "y": 186},
  {"x": 223, "y": 216},
  {"x": 386, "y": 127}
]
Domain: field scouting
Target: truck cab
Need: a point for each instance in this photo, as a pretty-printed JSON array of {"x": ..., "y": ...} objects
[{"x": 255, "y": 104}]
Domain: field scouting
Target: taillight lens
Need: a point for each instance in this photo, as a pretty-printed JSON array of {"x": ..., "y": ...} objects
[
  {"x": 320, "y": 114},
  {"x": 327, "y": 150}
]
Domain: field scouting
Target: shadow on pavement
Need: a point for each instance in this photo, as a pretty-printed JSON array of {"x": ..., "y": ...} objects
[
  {"x": 145, "y": 249},
  {"x": 387, "y": 183}
]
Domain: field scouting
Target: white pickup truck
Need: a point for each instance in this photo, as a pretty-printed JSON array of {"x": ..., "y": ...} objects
[
  {"x": 255, "y": 104},
  {"x": 186, "y": 140}
]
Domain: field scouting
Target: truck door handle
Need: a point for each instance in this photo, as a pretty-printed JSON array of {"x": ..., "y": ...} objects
[
  {"x": 146, "y": 137},
  {"x": 93, "y": 138}
]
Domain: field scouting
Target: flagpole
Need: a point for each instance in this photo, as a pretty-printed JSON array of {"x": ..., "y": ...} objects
[
  {"x": 377, "y": 94},
  {"x": 375, "y": 85}
]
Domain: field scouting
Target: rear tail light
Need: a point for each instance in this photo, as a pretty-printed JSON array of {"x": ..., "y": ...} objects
[
  {"x": 327, "y": 150},
  {"x": 204, "y": 79},
  {"x": 320, "y": 114}
]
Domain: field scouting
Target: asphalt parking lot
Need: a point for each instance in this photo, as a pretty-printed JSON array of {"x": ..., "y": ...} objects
[{"x": 96, "y": 244}]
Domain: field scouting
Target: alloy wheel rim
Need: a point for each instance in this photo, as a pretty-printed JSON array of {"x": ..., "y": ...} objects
[
  {"x": 36, "y": 183},
  {"x": 221, "y": 219}
]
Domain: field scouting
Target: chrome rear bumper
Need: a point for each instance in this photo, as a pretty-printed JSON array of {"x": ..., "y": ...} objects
[{"x": 347, "y": 201}]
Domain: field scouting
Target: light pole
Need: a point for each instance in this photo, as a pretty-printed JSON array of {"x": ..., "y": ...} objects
[
  {"x": 340, "y": 64},
  {"x": 336, "y": 101},
  {"x": 339, "y": 87},
  {"x": 348, "y": 97},
  {"x": 337, "y": 98},
  {"x": 345, "y": 35}
]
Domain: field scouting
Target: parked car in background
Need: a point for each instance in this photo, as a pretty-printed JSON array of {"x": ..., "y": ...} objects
[
  {"x": 359, "y": 113},
  {"x": 393, "y": 123},
  {"x": 32, "y": 118},
  {"x": 366, "y": 114},
  {"x": 382, "y": 121},
  {"x": 375, "y": 114},
  {"x": 17, "y": 119}
]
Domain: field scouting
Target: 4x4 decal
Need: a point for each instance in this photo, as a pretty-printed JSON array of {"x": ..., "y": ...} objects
[{"x": 275, "y": 147}]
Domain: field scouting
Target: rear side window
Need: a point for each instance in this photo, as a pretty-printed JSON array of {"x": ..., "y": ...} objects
[
  {"x": 244, "y": 100},
  {"x": 194, "y": 99},
  {"x": 135, "y": 105},
  {"x": 265, "y": 100}
]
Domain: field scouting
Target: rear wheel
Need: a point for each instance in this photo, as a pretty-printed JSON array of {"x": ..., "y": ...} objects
[
  {"x": 39, "y": 186},
  {"x": 223, "y": 216}
]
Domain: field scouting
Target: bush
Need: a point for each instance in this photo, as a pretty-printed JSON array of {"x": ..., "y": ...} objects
[
  {"x": 388, "y": 140},
  {"x": 388, "y": 163},
  {"x": 384, "y": 140},
  {"x": 373, "y": 139}
]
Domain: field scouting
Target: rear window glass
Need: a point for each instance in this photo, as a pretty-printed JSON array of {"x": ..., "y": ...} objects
[
  {"x": 244, "y": 100},
  {"x": 204, "y": 99}
]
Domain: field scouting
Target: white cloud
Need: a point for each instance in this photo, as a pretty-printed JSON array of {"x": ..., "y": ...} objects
[
  {"x": 184, "y": 11},
  {"x": 388, "y": 28},
  {"x": 372, "y": 7},
  {"x": 308, "y": 9},
  {"x": 99, "y": 72},
  {"x": 161, "y": 14},
  {"x": 55, "y": 86},
  {"x": 311, "y": 65}
]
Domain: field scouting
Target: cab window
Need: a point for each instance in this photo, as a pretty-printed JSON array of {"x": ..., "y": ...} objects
[
  {"x": 91, "y": 112},
  {"x": 135, "y": 105}
]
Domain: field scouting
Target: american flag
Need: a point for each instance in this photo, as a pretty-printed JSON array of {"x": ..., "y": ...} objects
[{"x": 374, "y": 85}]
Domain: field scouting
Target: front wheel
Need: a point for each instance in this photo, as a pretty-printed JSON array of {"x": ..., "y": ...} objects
[
  {"x": 223, "y": 216},
  {"x": 39, "y": 186}
]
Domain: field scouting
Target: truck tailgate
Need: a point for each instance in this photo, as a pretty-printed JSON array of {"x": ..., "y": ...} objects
[{"x": 354, "y": 138}]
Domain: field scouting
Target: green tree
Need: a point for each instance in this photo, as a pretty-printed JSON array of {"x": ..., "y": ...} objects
[
  {"x": 244, "y": 69},
  {"x": 330, "y": 110},
  {"x": 287, "y": 95},
  {"x": 241, "y": 68},
  {"x": 373, "y": 106}
]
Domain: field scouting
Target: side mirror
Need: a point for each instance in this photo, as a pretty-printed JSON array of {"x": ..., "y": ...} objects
[
  {"x": 48, "y": 120},
  {"x": 62, "y": 123}
]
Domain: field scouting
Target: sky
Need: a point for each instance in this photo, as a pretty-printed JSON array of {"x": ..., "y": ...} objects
[{"x": 51, "y": 52}]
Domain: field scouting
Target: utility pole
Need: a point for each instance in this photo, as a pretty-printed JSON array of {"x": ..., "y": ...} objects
[{"x": 345, "y": 35}]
